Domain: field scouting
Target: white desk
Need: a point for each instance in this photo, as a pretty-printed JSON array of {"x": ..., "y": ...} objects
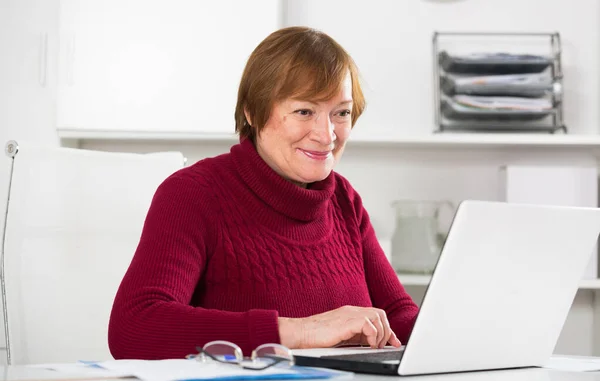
[
  {"x": 532, "y": 374},
  {"x": 23, "y": 373}
]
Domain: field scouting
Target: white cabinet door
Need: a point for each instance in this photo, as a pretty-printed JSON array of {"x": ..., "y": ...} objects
[
  {"x": 28, "y": 51},
  {"x": 156, "y": 65}
]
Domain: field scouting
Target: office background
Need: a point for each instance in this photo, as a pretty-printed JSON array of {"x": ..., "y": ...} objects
[{"x": 91, "y": 74}]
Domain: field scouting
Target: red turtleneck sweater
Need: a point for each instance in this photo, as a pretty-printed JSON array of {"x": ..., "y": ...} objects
[{"x": 228, "y": 246}]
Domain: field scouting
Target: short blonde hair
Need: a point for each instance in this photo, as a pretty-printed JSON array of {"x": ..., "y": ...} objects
[{"x": 298, "y": 62}]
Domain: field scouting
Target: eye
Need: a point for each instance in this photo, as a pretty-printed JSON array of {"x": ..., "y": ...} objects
[
  {"x": 304, "y": 112},
  {"x": 345, "y": 113}
]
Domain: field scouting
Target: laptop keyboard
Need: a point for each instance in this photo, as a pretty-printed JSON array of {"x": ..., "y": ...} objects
[{"x": 369, "y": 356}]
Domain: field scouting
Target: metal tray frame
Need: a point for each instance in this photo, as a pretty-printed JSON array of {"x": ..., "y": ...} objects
[{"x": 557, "y": 122}]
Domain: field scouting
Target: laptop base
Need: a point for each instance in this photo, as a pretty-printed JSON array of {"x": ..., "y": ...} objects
[{"x": 348, "y": 365}]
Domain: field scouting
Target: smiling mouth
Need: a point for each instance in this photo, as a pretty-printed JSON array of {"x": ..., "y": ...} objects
[{"x": 317, "y": 155}]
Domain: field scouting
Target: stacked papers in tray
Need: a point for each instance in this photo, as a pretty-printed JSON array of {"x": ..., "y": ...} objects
[{"x": 503, "y": 103}]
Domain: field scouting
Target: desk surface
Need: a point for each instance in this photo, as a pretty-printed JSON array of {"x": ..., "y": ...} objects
[
  {"x": 23, "y": 373},
  {"x": 532, "y": 374}
]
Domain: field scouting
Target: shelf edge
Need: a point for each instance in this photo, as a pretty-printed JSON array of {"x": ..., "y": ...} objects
[
  {"x": 423, "y": 280},
  {"x": 449, "y": 140}
]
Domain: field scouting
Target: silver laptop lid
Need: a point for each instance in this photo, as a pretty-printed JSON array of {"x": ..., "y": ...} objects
[{"x": 502, "y": 288}]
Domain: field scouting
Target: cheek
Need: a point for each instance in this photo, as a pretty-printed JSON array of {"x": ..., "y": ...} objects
[
  {"x": 295, "y": 131},
  {"x": 342, "y": 132},
  {"x": 276, "y": 132}
]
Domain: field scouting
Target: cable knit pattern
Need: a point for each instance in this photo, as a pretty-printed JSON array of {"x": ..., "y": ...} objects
[{"x": 228, "y": 246}]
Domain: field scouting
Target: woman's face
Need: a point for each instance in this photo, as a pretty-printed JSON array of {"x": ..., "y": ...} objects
[{"x": 304, "y": 140}]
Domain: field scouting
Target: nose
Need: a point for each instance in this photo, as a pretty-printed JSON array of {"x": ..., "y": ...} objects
[{"x": 324, "y": 130}]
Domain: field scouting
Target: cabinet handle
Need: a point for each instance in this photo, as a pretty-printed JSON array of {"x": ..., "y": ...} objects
[{"x": 43, "y": 59}]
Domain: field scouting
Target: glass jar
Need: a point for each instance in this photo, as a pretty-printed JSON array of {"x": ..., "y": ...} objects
[{"x": 417, "y": 239}]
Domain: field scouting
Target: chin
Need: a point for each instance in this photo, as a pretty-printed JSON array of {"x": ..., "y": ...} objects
[{"x": 314, "y": 177}]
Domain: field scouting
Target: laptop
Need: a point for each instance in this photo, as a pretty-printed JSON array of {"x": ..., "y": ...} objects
[{"x": 498, "y": 297}]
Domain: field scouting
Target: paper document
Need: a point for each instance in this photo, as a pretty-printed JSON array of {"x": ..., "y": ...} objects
[
  {"x": 574, "y": 363},
  {"x": 503, "y": 103},
  {"x": 178, "y": 370},
  {"x": 507, "y": 57},
  {"x": 508, "y": 79},
  {"x": 82, "y": 369}
]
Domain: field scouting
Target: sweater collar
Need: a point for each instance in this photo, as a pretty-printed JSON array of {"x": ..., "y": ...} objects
[{"x": 280, "y": 194}]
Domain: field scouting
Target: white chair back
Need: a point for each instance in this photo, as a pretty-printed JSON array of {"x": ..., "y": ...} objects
[{"x": 74, "y": 219}]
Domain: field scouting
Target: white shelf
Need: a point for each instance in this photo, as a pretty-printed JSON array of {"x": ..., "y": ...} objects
[
  {"x": 414, "y": 280},
  {"x": 589, "y": 284},
  {"x": 85, "y": 134},
  {"x": 433, "y": 141},
  {"x": 477, "y": 140},
  {"x": 423, "y": 280}
]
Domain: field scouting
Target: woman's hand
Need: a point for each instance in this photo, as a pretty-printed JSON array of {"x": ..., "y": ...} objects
[{"x": 346, "y": 325}]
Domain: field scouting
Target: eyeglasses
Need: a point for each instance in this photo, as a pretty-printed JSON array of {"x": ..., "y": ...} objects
[{"x": 263, "y": 357}]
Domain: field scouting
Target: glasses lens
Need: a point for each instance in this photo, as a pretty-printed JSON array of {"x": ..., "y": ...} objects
[
  {"x": 224, "y": 351},
  {"x": 268, "y": 354}
]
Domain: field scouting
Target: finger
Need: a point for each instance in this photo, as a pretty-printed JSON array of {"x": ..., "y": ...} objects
[
  {"x": 370, "y": 332},
  {"x": 356, "y": 332},
  {"x": 394, "y": 341},
  {"x": 387, "y": 330},
  {"x": 376, "y": 320}
]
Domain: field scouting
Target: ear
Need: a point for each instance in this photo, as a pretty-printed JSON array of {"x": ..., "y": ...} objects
[{"x": 247, "y": 115}]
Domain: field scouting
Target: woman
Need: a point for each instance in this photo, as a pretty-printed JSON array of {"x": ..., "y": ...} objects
[{"x": 266, "y": 244}]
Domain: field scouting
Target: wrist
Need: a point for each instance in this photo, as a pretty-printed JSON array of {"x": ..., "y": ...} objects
[{"x": 290, "y": 332}]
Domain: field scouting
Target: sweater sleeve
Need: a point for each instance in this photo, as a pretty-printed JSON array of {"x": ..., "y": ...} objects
[
  {"x": 385, "y": 288},
  {"x": 151, "y": 316}
]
